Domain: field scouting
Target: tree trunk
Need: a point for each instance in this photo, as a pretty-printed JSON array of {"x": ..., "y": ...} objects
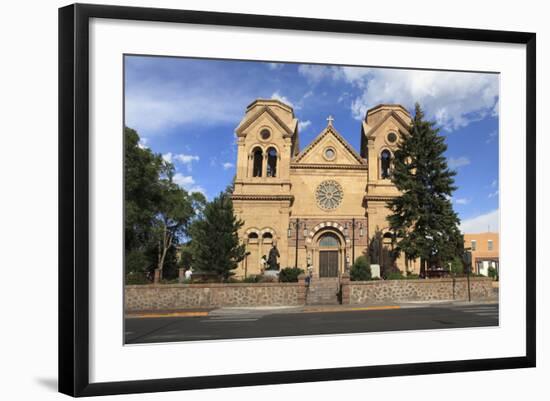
[
  {"x": 422, "y": 268},
  {"x": 166, "y": 244}
]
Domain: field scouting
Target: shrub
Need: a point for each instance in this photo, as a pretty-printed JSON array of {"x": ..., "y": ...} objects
[
  {"x": 290, "y": 274},
  {"x": 412, "y": 276},
  {"x": 134, "y": 278},
  {"x": 457, "y": 267},
  {"x": 492, "y": 272},
  {"x": 395, "y": 275},
  {"x": 251, "y": 279},
  {"x": 360, "y": 270}
]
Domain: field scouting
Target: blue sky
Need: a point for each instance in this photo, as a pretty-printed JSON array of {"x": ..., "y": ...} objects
[{"x": 187, "y": 109}]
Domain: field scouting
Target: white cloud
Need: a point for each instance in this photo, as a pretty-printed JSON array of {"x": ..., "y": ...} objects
[
  {"x": 452, "y": 99},
  {"x": 188, "y": 183},
  {"x": 482, "y": 223},
  {"x": 462, "y": 201},
  {"x": 184, "y": 181},
  {"x": 302, "y": 125},
  {"x": 142, "y": 144},
  {"x": 154, "y": 105},
  {"x": 277, "y": 96},
  {"x": 275, "y": 66},
  {"x": 493, "y": 194},
  {"x": 181, "y": 158},
  {"x": 315, "y": 73},
  {"x": 455, "y": 163},
  {"x": 227, "y": 166}
]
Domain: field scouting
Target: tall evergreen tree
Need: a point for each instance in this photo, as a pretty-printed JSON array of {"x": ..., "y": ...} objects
[
  {"x": 215, "y": 245},
  {"x": 423, "y": 218}
]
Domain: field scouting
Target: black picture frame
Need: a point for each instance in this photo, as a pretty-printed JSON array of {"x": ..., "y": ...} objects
[{"x": 74, "y": 198}]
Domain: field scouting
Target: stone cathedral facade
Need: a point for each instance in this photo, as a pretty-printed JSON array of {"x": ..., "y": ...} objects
[{"x": 321, "y": 204}]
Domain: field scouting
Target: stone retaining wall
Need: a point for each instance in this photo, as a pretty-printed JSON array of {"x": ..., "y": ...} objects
[
  {"x": 361, "y": 292},
  {"x": 185, "y": 296},
  {"x": 155, "y": 297}
]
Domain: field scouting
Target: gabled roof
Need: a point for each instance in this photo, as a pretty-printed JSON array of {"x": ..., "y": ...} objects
[
  {"x": 368, "y": 131},
  {"x": 289, "y": 130},
  {"x": 329, "y": 130}
]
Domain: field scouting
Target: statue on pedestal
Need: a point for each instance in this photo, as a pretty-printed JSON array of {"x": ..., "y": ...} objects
[{"x": 272, "y": 263}]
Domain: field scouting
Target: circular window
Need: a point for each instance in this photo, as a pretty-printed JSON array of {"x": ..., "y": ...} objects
[
  {"x": 329, "y": 195},
  {"x": 330, "y": 153},
  {"x": 265, "y": 134},
  {"x": 392, "y": 137}
]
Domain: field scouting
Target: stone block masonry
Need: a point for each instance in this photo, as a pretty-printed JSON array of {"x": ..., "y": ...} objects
[
  {"x": 187, "y": 296},
  {"x": 364, "y": 292},
  {"x": 155, "y": 297}
]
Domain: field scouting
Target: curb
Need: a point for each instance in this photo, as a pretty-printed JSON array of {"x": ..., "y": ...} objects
[
  {"x": 169, "y": 314},
  {"x": 352, "y": 309}
]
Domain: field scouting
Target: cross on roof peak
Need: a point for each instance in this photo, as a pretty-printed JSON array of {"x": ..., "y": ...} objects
[{"x": 330, "y": 119}]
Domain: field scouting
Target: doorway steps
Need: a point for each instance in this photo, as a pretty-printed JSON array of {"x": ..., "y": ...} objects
[{"x": 323, "y": 291}]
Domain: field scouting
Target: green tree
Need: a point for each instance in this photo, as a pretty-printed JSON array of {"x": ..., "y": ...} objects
[
  {"x": 176, "y": 209},
  {"x": 423, "y": 218},
  {"x": 214, "y": 238},
  {"x": 142, "y": 169}
]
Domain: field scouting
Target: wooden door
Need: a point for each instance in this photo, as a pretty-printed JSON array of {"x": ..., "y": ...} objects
[{"x": 328, "y": 263}]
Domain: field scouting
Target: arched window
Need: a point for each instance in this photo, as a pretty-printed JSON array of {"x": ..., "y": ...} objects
[
  {"x": 267, "y": 238},
  {"x": 271, "y": 162},
  {"x": 329, "y": 240},
  {"x": 257, "y": 157},
  {"x": 253, "y": 236},
  {"x": 385, "y": 163}
]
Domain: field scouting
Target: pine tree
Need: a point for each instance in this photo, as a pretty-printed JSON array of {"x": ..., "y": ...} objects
[
  {"x": 423, "y": 219},
  {"x": 215, "y": 242}
]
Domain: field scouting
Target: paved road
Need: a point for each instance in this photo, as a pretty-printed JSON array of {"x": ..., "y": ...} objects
[{"x": 227, "y": 324}]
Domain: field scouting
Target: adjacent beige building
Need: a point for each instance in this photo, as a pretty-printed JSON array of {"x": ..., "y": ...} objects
[
  {"x": 485, "y": 251},
  {"x": 319, "y": 204}
]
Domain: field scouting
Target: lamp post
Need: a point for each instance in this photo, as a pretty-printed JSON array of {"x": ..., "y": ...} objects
[{"x": 354, "y": 224}]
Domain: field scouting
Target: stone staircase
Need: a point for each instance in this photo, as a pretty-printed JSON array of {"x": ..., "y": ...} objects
[{"x": 323, "y": 291}]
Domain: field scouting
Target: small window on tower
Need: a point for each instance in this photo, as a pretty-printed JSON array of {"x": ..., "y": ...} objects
[
  {"x": 271, "y": 162},
  {"x": 257, "y": 158},
  {"x": 265, "y": 134},
  {"x": 385, "y": 163},
  {"x": 392, "y": 137}
]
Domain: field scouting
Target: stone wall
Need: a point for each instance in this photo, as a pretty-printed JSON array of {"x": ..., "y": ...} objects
[
  {"x": 362, "y": 292},
  {"x": 185, "y": 296}
]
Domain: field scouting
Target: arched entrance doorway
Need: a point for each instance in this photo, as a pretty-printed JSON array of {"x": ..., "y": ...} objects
[{"x": 329, "y": 255}]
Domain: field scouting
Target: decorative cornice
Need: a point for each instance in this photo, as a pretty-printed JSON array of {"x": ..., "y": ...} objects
[
  {"x": 380, "y": 198},
  {"x": 263, "y": 197},
  {"x": 329, "y": 166},
  {"x": 392, "y": 105}
]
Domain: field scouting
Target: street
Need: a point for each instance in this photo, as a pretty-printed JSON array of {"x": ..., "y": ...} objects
[{"x": 253, "y": 323}]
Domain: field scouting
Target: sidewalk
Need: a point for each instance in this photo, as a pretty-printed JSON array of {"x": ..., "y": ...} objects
[{"x": 268, "y": 310}]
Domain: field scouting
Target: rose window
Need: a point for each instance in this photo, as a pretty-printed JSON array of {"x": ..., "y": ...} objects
[{"x": 329, "y": 195}]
